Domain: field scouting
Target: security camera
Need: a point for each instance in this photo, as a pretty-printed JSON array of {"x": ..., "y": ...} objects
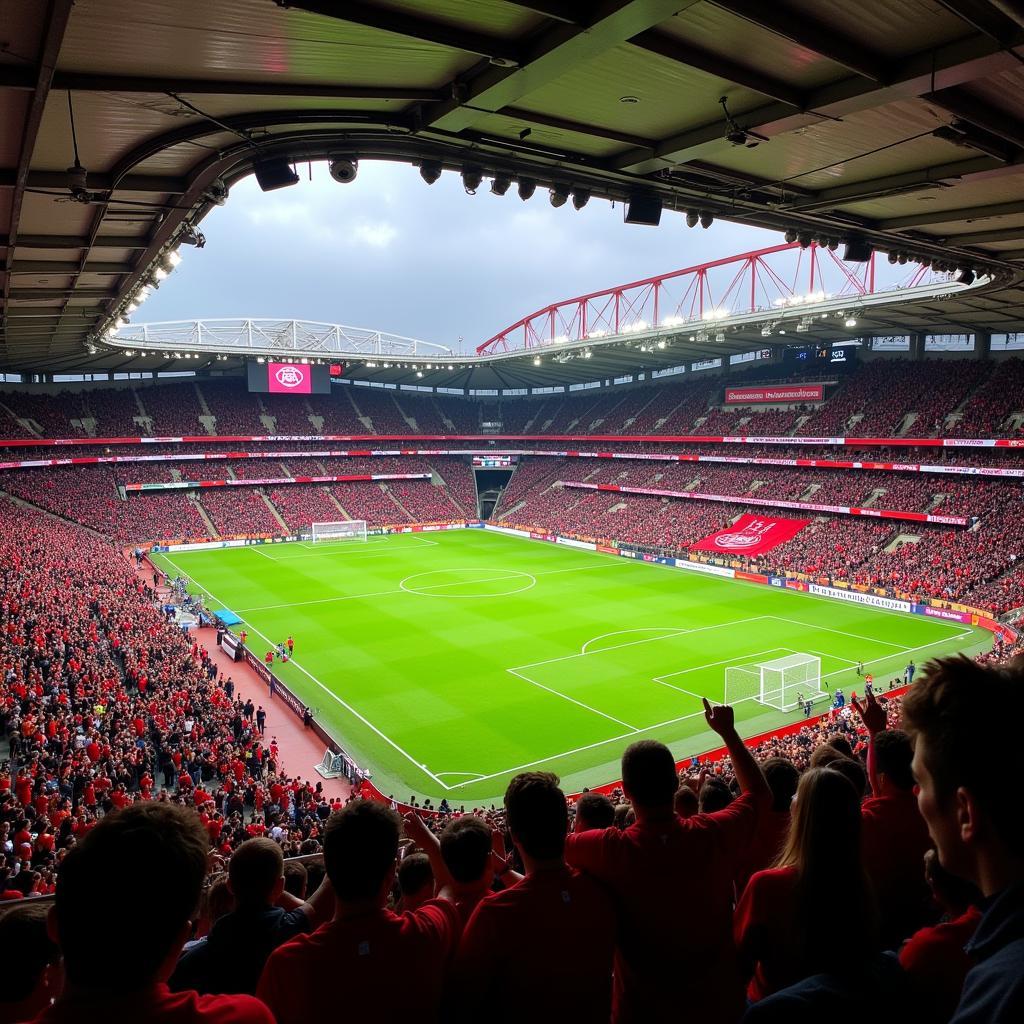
[{"x": 343, "y": 170}]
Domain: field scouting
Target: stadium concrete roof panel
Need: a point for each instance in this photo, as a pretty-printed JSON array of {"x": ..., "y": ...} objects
[{"x": 899, "y": 121}]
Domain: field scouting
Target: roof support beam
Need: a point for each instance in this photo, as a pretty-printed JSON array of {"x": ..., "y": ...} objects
[
  {"x": 18, "y": 78},
  {"x": 358, "y": 12},
  {"x": 891, "y": 184},
  {"x": 810, "y": 34},
  {"x": 966, "y": 213},
  {"x": 154, "y": 183},
  {"x": 956, "y": 63},
  {"x": 675, "y": 49},
  {"x": 59, "y": 293},
  {"x": 979, "y": 113},
  {"x": 73, "y": 242},
  {"x": 979, "y": 15},
  {"x": 981, "y": 237},
  {"x": 549, "y": 56},
  {"x": 58, "y": 13},
  {"x": 64, "y": 267}
]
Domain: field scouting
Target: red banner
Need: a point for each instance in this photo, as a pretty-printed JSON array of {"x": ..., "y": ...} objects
[
  {"x": 783, "y": 393},
  {"x": 752, "y": 535}
]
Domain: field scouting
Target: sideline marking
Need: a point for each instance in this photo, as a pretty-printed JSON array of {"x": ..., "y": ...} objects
[{"x": 348, "y": 707}]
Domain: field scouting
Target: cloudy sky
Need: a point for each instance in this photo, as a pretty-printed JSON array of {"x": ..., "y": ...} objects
[{"x": 391, "y": 253}]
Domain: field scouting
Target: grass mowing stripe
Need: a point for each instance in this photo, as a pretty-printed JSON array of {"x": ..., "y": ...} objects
[
  {"x": 421, "y": 689},
  {"x": 331, "y": 693}
]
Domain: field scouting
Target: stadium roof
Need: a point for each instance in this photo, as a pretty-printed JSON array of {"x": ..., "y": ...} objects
[{"x": 895, "y": 122}]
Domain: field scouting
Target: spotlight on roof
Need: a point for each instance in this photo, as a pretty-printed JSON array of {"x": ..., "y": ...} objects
[
  {"x": 559, "y": 195},
  {"x": 692, "y": 218},
  {"x": 706, "y": 219},
  {"x": 851, "y": 321},
  {"x": 966, "y": 276},
  {"x": 536, "y": 360},
  {"x": 501, "y": 184},
  {"x": 471, "y": 179},
  {"x": 275, "y": 174},
  {"x": 527, "y": 186},
  {"x": 580, "y": 197},
  {"x": 430, "y": 170},
  {"x": 893, "y": 257},
  {"x": 190, "y": 236},
  {"x": 804, "y": 239},
  {"x": 419, "y": 373},
  {"x": 791, "y": 235}
]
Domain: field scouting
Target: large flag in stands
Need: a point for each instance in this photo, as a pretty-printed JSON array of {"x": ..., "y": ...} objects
[{"x": 752, "y": 535}]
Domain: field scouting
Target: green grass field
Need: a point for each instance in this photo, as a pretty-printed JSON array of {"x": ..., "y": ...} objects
[{"x": 446, "y": 662}]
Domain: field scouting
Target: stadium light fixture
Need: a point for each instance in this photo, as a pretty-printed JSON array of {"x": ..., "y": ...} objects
[
  {"x": 472, "y": 177},
  {"x": 706, "y": 219},
  {"x": 501, "y": 184},
  {"x": 692, "y": 218},
  {"x": 966, "y": 276},
  {"x": 527, "y": 186},
  {"x": 580, "y": 197},
  {"x": 536, "y": 360},
  {"x": 851, "y": 321},
  {"x": 661, "y": 344},
  {"x": 559, "y": 195},
  {"x": 430, "y": 171},
  {"x": 791, "y": 234},
  {"x": 419, "y": 373}
]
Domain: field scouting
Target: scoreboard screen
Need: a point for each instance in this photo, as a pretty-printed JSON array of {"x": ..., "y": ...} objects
[
  {"x": 289, "y": 378},
  {"x": 494, "y": 461}
]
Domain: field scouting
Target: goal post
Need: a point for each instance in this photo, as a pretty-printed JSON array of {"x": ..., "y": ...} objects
[
  {"x": 780, "y": 683},
  {"x": 349, "y": 529}
]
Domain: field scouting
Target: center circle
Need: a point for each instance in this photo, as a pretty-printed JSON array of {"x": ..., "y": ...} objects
[{"x": 468, "y": 583}]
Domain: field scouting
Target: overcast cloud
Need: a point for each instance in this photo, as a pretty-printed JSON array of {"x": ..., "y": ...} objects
[{"x": 430, "y": 262}]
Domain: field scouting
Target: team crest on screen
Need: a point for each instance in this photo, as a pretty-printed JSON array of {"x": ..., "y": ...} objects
[
  {"x": 289, "y": 377},
  {"x": 750, "y": 536}
]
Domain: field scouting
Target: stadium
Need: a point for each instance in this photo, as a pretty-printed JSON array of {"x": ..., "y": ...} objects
[{"x": 679, "y": 619}]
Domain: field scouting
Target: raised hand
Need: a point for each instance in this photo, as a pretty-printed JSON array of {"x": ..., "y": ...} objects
[
  {"x": 720, "y": 718},
  {"x": 871, "y": 713}
]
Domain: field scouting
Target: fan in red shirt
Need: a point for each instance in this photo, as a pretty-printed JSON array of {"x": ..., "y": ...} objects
[
  {"x": 785, "y": 925},
  {"x": 934, "y": 958},
  {"x": 394, "y": 962},
  {"x": 153, "y": 855},
  {"x": 672, "y": 880},
  {"x": 541, "y": 950},
  {"x": 894, "y": 835}
]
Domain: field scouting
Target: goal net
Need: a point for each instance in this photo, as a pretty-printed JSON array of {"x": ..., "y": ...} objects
[
  {"x": 350, "y": 529},
  {"x": 781, "y": 683}
]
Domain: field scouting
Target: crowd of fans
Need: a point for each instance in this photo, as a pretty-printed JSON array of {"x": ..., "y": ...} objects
[
  {"x": 960, "y": 398},
  {"x": 103, "y": 702},
  {"x": 869, "y": 866}
]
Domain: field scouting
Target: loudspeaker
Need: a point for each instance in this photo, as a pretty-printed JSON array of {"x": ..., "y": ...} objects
[
  {"x": 643, "y": 210},
  {"x": 271, "y": 174},
  {"x": 856, "y": 251}
]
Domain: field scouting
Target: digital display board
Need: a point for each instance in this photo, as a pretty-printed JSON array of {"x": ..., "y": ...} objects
[
  {"x": 494, "y": 461},
  {"x": 289, "y": 378}
]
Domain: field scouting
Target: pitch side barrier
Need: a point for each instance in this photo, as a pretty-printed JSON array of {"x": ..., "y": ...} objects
[
  {"x": 412, "y": 439},
  {"x": 895, "y": 467},
  {"x": 802, "y": 506}
]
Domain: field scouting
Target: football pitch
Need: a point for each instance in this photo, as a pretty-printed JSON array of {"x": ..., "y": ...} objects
[{"x": 446, "y": 662}]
